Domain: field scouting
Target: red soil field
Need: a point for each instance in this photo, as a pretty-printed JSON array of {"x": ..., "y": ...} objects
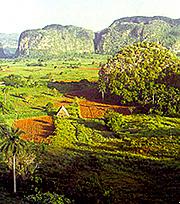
[
  {"x": 36, "y": 129},
  {"x": 62, "y": 103},
  {"x": 90, "y": 109}
]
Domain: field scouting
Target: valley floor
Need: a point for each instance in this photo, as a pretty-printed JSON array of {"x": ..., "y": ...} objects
[{"x": 83, "y": 156}]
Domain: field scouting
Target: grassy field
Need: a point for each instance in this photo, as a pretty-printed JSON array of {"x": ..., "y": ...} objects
[{"x": 90, "y": 159}]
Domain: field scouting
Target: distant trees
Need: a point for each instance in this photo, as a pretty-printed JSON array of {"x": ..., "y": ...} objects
[
  {"x": 5, "y": 104},
  {"x": 49, "y": 108},
  {"x": 141, "y": 74},
  {"x": 14, "y": 80}
]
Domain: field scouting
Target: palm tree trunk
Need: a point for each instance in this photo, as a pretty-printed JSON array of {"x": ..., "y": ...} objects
[
  {"x": 14, "y": 172},
  {"x": 102, "y": 94}
]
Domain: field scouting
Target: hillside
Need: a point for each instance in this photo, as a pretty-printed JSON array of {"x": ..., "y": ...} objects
[
  {"x": 131, "y": 29},
  {"x": 9, "y": 42},
  {"x": 55, "y": 39}
]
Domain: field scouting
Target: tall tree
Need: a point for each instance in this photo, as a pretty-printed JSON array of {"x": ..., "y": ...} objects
[
  {"x": 11, "y": 145},
  {"x": 142, "y": 73}
]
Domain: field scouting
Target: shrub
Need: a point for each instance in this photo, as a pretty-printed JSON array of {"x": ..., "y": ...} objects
[
  {"x": 44, "y": 198},
  {"x": 49, "y": 108},
  {"x": 13, "y": 80}
]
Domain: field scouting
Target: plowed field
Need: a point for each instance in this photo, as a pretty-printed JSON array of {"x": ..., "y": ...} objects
[
  {"x": 91, "y": 109},
  {"x": 36, "y": 129}
]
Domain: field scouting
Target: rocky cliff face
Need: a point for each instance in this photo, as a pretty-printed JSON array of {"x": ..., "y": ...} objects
[
  {"x": 53, "y": 40},
  {"x": 131, "y": 29}
]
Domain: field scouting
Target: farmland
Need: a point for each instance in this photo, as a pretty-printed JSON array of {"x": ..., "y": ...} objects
[
  {"x": 32, "y": 91},
  {"x": 85, "y": 157}
]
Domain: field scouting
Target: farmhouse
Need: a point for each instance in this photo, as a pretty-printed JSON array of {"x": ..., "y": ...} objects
[{"x": 62, "y": 112}]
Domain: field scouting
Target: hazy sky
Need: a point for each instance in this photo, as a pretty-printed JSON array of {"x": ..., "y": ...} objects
[{"x": 19, "y": 15}]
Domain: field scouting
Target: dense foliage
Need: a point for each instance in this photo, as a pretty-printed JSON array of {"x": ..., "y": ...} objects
[
  {"x": 143, "y": 74},
  {"x": 89, "y": 163}
]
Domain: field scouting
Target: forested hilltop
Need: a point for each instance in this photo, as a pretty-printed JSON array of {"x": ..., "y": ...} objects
[
  {"x": 128, "y": 30},
  {"x": 53, "y": 40}
]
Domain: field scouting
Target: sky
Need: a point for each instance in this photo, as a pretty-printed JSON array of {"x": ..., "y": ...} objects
[{"x": 19, "y": 15}]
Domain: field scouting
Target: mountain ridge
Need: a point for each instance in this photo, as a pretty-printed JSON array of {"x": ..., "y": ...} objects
[
  {"x": 128, "y": 30},
  {"x": 55, "y": 39},
  {"x": 146, "y": 19},
  {"x": 2, "y": 54}
]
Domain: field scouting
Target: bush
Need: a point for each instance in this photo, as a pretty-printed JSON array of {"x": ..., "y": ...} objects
[
  {"x": 14, "y": 80},
  {"x": 44, "y": 198},
  {"x": 49, "y": 108},
  {"x": 114, "y": 121}
]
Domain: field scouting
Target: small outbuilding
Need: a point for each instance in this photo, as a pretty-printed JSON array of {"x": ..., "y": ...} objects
[{"x": 62, "y": 112}]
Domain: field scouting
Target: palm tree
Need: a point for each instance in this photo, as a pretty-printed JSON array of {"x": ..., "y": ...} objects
[{"x": 11, "y": 145}]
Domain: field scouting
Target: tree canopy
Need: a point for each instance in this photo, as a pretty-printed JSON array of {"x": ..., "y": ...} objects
[{"x": 144, "y": 73}]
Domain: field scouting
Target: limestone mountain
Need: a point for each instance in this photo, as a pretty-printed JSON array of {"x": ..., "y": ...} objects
[
  {"x": 53, "y": 40},
  {"x": 2, "y": 54},
  {"x": 128, "y": 30},
  {"x": 9, "y": 43}
]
